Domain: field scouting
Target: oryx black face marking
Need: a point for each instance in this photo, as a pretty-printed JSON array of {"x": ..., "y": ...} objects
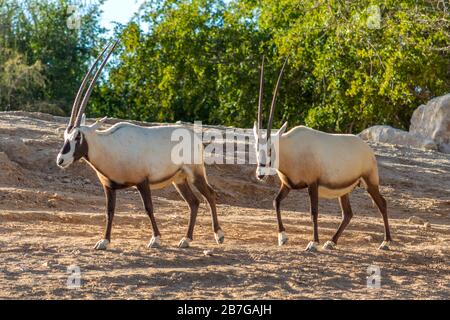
[
  {"x": 66, "y": 147},
  {"x": 81, "y": 148},
  {"x": 79, "y": 145}
]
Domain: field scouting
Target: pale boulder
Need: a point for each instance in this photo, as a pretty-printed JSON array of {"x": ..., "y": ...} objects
[
  {"x": 390, "y": 135},
  {"x": 432, "y": 121}
]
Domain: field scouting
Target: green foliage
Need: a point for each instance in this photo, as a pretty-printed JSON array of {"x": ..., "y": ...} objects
[
  {"x": 38, "y": 30},
  {"x": 18, "y": 81},
  {"x": 352, "y": 63},
  {"x": 362, "y": 70},
  {"x": 197, "y": 62}
]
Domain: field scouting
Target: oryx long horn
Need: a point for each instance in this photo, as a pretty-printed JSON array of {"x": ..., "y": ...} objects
[
  {"x": 77, "y": 101},
  {"x": 91, "y": 86},
  {"x": 261, "y": 93},
  {"x": 274, "y": 100}
]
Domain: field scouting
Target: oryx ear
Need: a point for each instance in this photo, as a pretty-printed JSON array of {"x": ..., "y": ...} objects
[
  {"x": 282, "y": 129},
  {"x": 83, "y": 120},
  {"x": 97, "y": 125}
]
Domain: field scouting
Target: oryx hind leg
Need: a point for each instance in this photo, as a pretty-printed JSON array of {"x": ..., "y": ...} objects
[
  {"x": 144, "y": 190},
  {"x": 374, "y": 191},
  {"x": 347, "y": 215},
  {"x": 208, "y": 192},
  {"x": 191, "y": 199},
  {"x": 313, "y": 191}
]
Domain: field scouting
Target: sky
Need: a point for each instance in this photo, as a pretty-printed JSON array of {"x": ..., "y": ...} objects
[{"x": 118, "y": 11}]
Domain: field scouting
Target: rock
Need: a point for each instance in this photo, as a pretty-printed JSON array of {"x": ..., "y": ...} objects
[
  {"x": 432, "y": 121},
  {"x": 427, "y": 225},
  {"x": 52, "y": 203},
  {"x": 18, "y": 151},
  {"x": 416, "y": 220},
  {"x": 208, "y": 253},
  {"x": 75, "y": 252},
  {"x": 429, "y": 129},
  {"x": 388, "y": 134}
]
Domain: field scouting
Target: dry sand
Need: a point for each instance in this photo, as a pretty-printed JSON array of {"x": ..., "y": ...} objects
[{"x": 50, "y": 219}]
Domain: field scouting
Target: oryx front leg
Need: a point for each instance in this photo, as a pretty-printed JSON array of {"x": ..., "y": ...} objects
[
  {"x": 110, "y": 195},
  {"x": 191, "y": 199},
  {"x": 313, "y": 191},
  {"x": 282, "y": 194},
  {"x": 144, "y": 190}
]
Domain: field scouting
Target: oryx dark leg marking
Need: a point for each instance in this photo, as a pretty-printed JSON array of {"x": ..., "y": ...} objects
[
  {"x": 282, "y": 194},
  {"x": 144, "y": 190},
  {"x": 110, "y": 209},
  {"x": 347, "y": 215},
  {"x": 313, "y": 191},
  {"x": 208, "y": 192},
  {"x": 374, "y": 192},
  {"x": 188, "y": 195}
]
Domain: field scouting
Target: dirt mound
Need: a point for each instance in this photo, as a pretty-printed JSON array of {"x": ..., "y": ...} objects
[{"x": 10, "y": 173}]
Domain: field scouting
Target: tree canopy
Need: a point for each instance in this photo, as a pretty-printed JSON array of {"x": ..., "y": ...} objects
[
  {"x": 352, "y": 64},
  {"x": 39, "y": 32}
]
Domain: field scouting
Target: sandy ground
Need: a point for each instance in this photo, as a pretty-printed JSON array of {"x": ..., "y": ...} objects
[{"x": 50, "y": 219}]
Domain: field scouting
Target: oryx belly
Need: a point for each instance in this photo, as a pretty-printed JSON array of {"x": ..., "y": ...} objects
[{"x": 328, "y": 193}]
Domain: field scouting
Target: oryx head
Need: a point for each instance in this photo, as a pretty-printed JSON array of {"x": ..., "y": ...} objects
[
  {"x": 75, "y": 144},
  {"x": 266, "y": 142}
]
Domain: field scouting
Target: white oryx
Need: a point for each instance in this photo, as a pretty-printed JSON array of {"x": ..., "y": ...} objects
[
  {"x": 329, "y": 165},
  {"x": 127, "y": 155}
]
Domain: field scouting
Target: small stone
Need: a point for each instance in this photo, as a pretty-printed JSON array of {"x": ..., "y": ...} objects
[
  {"x": 208, "y": 253},
  {"x": 416, "y": 220},
  {"x": 51, "y": 203},
  {"x": 427, "y": 225}
]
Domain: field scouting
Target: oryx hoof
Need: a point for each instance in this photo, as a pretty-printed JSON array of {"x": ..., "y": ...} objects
[
  {"x": 155, "y": 242},
  {"x": 282, "y": 238},
  {"x": 219, "y": 236},
  {"x": 184, "y": 243},
  {"x": 385, "y": 246},
  {"x": 312, "y": 246},
  {"x": 102, "y": 245},
  {"x": 329, "y": 245}
]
